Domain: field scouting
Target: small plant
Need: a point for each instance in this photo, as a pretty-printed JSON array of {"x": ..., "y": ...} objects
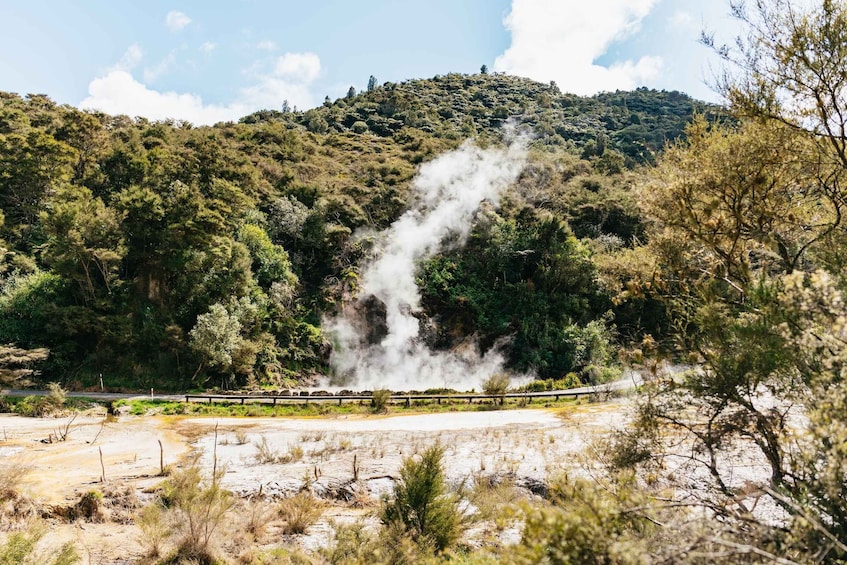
[
  {"x": 496, "y": 385},
  {"x": 20, "y": 549},
  {"x": 313, "y": 436},
  {"x": 198, "y": 510},
  {"x": 422, "y": 507},
  {"x": 56, "y": 396},
  {"x": 295, "y": 453},
  {"x": 240, "y": 436},
  {"x": 265, "y": 453},
  {"x": 299, "y": 512},
  {"x": 154, "y": 527},
  {"x": 257, "y": 516},
  {"x": 379, "y": 400},
  {"x": 350, "y": 543}
]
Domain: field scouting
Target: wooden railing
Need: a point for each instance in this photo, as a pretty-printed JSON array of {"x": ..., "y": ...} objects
[{"x": 400, "y": 398}]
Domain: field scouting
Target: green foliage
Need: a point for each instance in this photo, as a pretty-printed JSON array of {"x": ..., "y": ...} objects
[
  {"x": 496, "y": 385},
  {"x": 120, "y": 234},
  {"x": 379, "y": 400},
  {"x": 47, "y": 405},
  {"x": 16, "y": 364},
  {"x": 586, "y": 524},
  {"x": 20, "y": 549},
  {"x": 199, "y": 510},
  {"x": 215, "y": 337},
  {"x": 422, "y": 507},
  {"x": 527, "y": 278}
]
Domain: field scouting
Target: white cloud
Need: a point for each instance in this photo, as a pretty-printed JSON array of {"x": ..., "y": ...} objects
[
  {"x": 207, "y": 47},
  {"x": 291, "y": 78},
  {"x": 561, "y": 40},
  {"x": 161, "y": 68},
  {"x": 301, "y": 67},
  {"x": 175, "y": 21},
  {"x": 267, "y": 45},
  {"x": 131, "y": 57}
]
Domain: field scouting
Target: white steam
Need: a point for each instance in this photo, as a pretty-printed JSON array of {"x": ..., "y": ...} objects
[{"x": 449, "y": 190}]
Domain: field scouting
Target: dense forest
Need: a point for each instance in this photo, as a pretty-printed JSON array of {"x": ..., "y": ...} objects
[{"x": 162, "y": 254}]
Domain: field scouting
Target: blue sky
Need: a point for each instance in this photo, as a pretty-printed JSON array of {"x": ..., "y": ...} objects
[{"x": 205, "y": 61}]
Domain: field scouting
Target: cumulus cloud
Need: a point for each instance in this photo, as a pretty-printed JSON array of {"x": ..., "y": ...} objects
[
  {"x": 175, "y": 21},
  {"x": 562, "y": 40},
  {"x": 301, "y": 67},
  {"x": 207, "y": 47},
  {"x": 290, "y": 78}
]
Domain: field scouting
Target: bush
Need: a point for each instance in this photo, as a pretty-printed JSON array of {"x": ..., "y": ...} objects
[
  {"x": 299, "y": 512},
  {"x": 199, "y": 511},
  {"x": 350, "y": 544},
  {"x": 379, "y": 400},
  {"x": 20, "y": 549},
  {"x": 496, "y": 385},
  {"x": 154, "y": 527},
  {"x": 422, "y": 508},
  {"x": 13, "y": 505}
]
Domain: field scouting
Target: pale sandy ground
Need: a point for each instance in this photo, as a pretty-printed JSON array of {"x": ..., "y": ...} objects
[
  {"x": 62, "y": 471},
  {"x": 529, "y": 445}
]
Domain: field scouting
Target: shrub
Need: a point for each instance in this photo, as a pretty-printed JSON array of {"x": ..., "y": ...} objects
[
  {"x": 496, "y": 385},
  {"x": 299, "y": 512},
  {"x": 20, "y": 549},
  {"x": 350, "y": 544},
  {"x": 39, "y": 406},
  {"x": 154, "y": 527},
  {"x": 265, "y": 453},
  {"x": 13, "y": 505},
  {"x": 199, "y": 510},
  {"x": 422, "y": 508},
  {"x": 379, "y": 400}
]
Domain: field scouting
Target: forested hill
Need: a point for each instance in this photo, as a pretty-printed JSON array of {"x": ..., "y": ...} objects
[
  {"x": 636, "y": 124},
  {"x": 157, "y": 253}
]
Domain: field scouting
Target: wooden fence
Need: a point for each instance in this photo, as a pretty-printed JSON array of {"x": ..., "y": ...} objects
[{"x": 407, "y": 399}]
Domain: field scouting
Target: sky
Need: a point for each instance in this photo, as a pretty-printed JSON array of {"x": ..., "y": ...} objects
[{"x": 206, "y": 61}]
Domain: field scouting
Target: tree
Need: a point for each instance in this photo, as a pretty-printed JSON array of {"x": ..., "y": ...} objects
[
  {"x": 32, "y": 167},
  {"x": 483, "y": 70},
  {"x": 422, "y": 508},
  {"x": 215, "y": 338},
  {"x": 789, "y": 68},
  {"x": 733, "y": 192},
  {"x": 16, "y": 364},
  {"x": 84, "y": 242},
  {"x": 351, "y": 92},
  {"x": 744, "y": 220},
  {"x": 371, "y": 83}
]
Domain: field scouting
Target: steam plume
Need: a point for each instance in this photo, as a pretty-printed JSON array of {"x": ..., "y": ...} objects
[{"x": 448, "y": 192}]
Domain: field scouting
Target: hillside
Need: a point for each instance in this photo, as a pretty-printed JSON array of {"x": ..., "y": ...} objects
[{"x": 161, "y": 254}]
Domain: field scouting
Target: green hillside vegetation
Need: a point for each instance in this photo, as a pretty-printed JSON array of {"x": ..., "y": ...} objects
[{"x": 162, "y": 254}]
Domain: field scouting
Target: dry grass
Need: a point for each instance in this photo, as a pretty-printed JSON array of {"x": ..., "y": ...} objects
[
  {"x": 299, "y": 512},
  {"x": 15, "y": 507}
]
